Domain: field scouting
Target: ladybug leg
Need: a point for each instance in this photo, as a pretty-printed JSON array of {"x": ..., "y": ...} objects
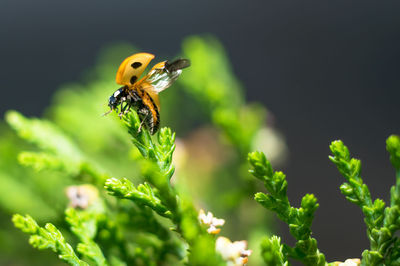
[
  {"x": 146, "y": 114},
  {"x": 122, "y": 108},
  {"x": 134, "y": 96},
  {"x": 141, "y": 123},
  {"x": 127, "y": 107}
]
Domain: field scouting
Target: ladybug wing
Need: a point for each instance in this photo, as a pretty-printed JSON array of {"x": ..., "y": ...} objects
[
  {"x": 163, "y": 74},
  {"x": 132, "y": 68}
]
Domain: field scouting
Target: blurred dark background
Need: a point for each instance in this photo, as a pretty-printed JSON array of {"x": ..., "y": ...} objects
[{"x": 326, "y": 71}]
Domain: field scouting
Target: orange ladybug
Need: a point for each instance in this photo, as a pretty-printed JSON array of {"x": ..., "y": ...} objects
[{"x": 142, "y": 95}]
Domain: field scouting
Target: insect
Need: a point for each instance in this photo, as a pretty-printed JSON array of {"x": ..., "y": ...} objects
[{"x": 142, "y": 95}]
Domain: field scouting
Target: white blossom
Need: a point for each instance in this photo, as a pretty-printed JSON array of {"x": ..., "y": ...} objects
[
  {"x": 235, "y": 254},
  {"x": 348, "y": 262},
  {"x": 81, "y": 196},
  {"x": 211, "y": 221}
]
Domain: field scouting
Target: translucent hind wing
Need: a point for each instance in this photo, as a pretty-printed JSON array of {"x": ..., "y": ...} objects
[
  {"x": 163, "y": 74},
  {"x": 132, "y": 68}
]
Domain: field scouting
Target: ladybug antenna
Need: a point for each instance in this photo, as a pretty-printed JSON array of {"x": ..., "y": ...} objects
[{"x": 106, "y": 113}]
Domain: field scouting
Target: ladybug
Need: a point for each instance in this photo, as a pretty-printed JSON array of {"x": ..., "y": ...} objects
[{"x": 142, "y": 95}]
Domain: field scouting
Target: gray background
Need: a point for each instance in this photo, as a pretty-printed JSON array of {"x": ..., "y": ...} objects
[{"x": 326, "y": 70}]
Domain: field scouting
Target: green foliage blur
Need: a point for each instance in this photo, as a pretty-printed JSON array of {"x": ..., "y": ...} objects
[{"x": 73, "y": 144}]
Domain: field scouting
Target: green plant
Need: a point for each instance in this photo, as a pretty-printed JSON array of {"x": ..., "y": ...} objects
[
  {"x": 382, "y": 222},
  {"x": 73, "y": 145},
  {"x": 155, "y": 199},
  {"x": 155, "y": 194},
  {"x": 298, "y": 219},
  {"x": 139, "y": 204}
]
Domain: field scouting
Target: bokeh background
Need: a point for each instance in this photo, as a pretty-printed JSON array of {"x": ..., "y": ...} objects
[{"x": 325, "y": 71}]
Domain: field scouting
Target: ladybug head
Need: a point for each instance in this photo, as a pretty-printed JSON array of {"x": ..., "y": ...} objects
[{"x": 116, "y": 98}]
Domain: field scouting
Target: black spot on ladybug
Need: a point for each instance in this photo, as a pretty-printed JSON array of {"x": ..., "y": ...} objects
[
  {"x": 133, "y": 79},
  {"x": 136, "y": 65}
]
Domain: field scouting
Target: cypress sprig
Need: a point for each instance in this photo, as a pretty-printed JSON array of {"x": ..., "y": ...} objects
[
  {"x": 355, "y": 190},
  {"x": 47, "y": 237},
  {"x": 41, "y": 160},
  {"x": 45, "y": 135},
  {"x": 272, "y": 252},
  {"x": 160, "y": 153},
  {"x": 143, "y": 194},
  {"x": 298, "y": 219},
  {"x": 382, "y": 222},
  {"x": 84, "y": 225},
  {"x": 58, "y": 151},
  {"x": 158, "y": 167},
  {"x": 158, "y": 194}
]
